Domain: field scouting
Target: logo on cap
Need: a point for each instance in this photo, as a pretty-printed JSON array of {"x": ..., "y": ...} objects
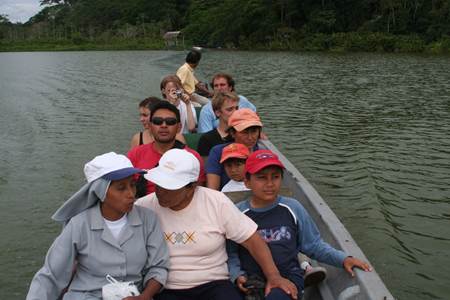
[
  {"x": 170, "y": 165},
  {"x": 264, "y": 156}
]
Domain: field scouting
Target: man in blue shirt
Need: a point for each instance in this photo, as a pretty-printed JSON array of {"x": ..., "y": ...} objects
[{"x": 221, "y": 82}]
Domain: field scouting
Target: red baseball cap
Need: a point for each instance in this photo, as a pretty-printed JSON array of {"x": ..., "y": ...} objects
[
  {"x": 234, "y": 150},
  {"x": 260, "y": 159}
]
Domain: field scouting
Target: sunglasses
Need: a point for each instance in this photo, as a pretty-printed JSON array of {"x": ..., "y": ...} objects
[{"x": 168, "y": 121}]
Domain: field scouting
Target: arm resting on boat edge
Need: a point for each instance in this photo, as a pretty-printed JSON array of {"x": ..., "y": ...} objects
[
  {"x": 261, "y": 253},
  {"x": 313, "y": 246},
  {"x": 350, "y": 262}
]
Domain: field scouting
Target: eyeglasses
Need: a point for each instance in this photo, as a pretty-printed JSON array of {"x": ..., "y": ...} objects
[{"x": 169, "y": 121}]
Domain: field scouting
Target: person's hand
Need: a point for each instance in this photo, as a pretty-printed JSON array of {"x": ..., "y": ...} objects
[
  {"x": 350, "y": 262},
  {"x": 276, "y": 281},
  {"x": 240, "y": 281},
  {"x": 185, "y": 98}
]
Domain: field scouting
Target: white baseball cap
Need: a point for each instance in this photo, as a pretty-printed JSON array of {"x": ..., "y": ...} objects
[
  {"x": 176, "y": 169},
  {"x": 110, "y": 166}
]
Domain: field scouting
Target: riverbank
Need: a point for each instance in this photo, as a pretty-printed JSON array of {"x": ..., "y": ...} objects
[
  {"x": 336, "y": 42},
  {"x": 80, "y": 45}
]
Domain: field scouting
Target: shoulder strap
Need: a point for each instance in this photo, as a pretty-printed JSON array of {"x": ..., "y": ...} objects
[{"x": 141, "y": 138}]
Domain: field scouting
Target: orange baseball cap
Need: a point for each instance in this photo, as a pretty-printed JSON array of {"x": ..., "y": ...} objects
[
  {"x": 234, "y": 150},
  {"x": 244, "y": 118}
]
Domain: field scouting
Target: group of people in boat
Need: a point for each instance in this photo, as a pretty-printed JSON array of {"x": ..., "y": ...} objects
[{"x": 184, "y": 238}]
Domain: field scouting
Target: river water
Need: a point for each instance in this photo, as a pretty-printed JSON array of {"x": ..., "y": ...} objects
[{"x": 369, "y": 131}]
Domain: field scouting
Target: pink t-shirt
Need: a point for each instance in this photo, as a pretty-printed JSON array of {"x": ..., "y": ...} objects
[{"x": 196, "y": 236}]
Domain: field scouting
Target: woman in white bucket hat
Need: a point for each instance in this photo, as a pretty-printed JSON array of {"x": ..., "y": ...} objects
[{"x": 104, "y": 234}]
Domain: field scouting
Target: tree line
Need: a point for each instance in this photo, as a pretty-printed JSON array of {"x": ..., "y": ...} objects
[{"x": 367, "y": 25}]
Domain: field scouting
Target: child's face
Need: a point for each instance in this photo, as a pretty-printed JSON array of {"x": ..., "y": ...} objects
[
  {"x": 265, "y": 184},
  {"x": 234, "y": 167}
]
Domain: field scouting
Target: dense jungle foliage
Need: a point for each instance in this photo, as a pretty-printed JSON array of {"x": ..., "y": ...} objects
[{"x": 338, "y": 25}]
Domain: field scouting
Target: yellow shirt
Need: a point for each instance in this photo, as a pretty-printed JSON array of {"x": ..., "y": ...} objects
[{"x": 186, "y": 75}]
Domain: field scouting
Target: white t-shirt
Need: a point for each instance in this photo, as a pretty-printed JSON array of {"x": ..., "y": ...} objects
[
  {"x": 196, "y": 236},
  {"x": 183, "y": 116},
  {"x": 116, "y": 226},
  {"x": 234, "y": 186}
]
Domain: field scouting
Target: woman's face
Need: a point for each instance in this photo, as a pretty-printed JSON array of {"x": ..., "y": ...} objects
[
  {"x": 174, "y": 199},
  {"x": 119, "y": 198},
  {"x": 170, "y": 91},
  {"x": 144, "y": 117},
  {"x": 249, "y": 136}
]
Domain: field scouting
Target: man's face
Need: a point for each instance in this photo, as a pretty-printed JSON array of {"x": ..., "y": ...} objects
[
  {"x": 220, "y": 84},
  {"x": 164, "y": 133},
  {"x": 227, "y": 109}
]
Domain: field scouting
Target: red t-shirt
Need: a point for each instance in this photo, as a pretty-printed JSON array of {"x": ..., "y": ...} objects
[{"x": 146, "y": 157}]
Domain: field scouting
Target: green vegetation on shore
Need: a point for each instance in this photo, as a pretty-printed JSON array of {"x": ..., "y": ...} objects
[{"x": 308, "y": 25}]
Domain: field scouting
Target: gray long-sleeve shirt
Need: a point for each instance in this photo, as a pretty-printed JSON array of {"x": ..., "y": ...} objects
[{"x": 139, "y": 254}]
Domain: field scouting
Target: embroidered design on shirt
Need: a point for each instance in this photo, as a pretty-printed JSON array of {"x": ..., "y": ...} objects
[
  {"x": 275, "y": 234},
  {"x": 180, "y": 237}
]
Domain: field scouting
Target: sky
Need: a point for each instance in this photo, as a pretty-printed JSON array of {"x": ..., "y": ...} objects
[{"x": 19, "y": 10}]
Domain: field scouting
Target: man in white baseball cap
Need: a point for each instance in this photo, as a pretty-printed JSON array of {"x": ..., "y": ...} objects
[{"x": 196, "y": 222}]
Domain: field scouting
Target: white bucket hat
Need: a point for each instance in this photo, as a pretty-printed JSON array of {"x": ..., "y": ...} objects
[
  {"x": 99, "y": 173},
  {"x": 110, "y": 166},
  {"x": 176, "y": 169}
]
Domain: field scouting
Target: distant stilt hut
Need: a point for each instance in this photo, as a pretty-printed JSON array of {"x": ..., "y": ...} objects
[{"x": 171, "y": 39}]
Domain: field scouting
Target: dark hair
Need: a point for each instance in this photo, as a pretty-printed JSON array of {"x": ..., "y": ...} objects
[
  {"x": 234, "y": 159},
  {"x": 247, "y": 174},
  {"x": 227, "y": 77},
  {"x": 193, "y": 57},
  {"x": 147, "y": 102},
  {"x": 164, "y": 105}
]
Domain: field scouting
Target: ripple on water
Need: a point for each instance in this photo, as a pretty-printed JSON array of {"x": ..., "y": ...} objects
[{"x": 370, "y": 132}]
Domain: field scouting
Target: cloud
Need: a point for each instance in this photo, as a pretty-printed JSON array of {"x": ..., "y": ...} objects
[{"x": 19, "y": 10}]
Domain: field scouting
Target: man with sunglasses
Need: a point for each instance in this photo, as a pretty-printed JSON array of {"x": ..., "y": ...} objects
[
  {"x": 223, "y": 104},
  {"x": 164, "y": 126},
  {"x": 221, "y": 82}
]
